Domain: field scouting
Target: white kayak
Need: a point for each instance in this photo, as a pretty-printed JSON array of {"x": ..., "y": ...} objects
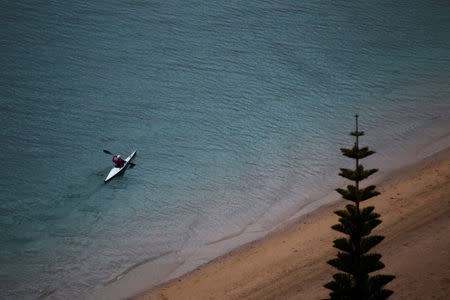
[{"x": 116, "y": 171}]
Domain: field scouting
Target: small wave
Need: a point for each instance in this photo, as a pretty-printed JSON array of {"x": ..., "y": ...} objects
[
  {"x": 230, "y": 236},
  {"x": 45, "y": 294},
  {"x": 128, "y": 270}
]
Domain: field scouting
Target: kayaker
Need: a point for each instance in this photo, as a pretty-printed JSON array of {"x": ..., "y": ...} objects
[{"x": 118, "y": 161}]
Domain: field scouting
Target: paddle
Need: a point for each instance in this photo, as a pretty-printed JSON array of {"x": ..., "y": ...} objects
[{"x": 107, "y": 152}]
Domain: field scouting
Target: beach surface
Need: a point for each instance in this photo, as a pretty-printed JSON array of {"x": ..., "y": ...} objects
[{"x": 290, "y": 263}]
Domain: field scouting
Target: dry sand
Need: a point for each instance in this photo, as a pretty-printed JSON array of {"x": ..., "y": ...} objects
[{"x": 291, "y": 263}]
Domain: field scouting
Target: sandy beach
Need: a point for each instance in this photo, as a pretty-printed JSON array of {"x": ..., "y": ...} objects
[{"x": 290, "y": 263}]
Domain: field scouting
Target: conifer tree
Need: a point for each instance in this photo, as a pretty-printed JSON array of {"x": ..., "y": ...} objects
[{"x": 353, "y": 260}]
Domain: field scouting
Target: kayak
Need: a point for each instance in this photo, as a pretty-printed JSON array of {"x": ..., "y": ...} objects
[{"x": 116, "y": 171}]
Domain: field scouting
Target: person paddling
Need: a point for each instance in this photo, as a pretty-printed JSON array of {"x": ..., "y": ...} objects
[{"x": 118, "y": 161}]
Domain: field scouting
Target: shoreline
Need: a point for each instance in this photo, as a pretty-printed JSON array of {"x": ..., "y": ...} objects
[{"x": 295, "y": 237}]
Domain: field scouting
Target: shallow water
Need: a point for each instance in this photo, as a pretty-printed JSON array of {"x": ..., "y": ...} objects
[{"x": 237, "y": 111}]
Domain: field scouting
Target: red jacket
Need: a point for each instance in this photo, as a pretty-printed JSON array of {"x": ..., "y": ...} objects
[{"x": 118, "y": 162}]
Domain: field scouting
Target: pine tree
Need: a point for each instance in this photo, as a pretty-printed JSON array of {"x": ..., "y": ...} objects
[{"x": 353, "y": 260}]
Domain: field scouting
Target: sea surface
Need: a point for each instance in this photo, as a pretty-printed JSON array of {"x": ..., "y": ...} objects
[{"x": 237, "y": 110}]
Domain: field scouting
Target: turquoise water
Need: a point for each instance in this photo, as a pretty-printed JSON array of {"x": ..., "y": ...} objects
[{"x": 237, "y": 111}]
